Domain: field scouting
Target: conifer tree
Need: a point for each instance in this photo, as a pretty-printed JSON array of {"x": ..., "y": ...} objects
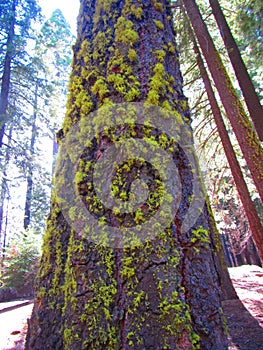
[
  {"x": 16, "y": 18},
  {"x": 241, "y": 124},
  {"x": 248, "y": 90},
  {"x": 98, "y": 289}
]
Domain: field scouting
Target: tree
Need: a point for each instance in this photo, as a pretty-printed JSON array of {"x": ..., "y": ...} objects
[
  {"x": 16, "y": 28},
  {"x": 249, "y": 30},
  {"x": 158, "y": 289},
  {"x": 21, "y": 263},
  {"x": 50, "y": 62},
  {"x": 226, "y": 203},
  {"x": 15, "y": 23},
  {"x": 248, "y": 90},
  {"x": 243, "y": 129},
  {"x": 251, "y": 213}
]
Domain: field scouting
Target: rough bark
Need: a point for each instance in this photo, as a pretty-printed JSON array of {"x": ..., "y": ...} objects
[
  {"x": 243, "y": 129},
  {"x": 7, "y": 72},
  {"x": 164, "y": 292},
  {"x": 248, "y": 90},
  {"x": 244, "y": 195}
]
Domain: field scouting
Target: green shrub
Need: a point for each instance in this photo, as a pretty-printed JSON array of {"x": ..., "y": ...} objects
[{"x": 21, "y": 263}]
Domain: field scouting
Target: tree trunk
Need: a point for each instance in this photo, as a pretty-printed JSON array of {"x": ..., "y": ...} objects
[
  {"x": 54, "y": 153},
  {"x": 243, "y": 129},
  {"x": 3, "y": 195},
  {"x": 244, "y": 195},
  {"x": 226, "y": 251},
  {"x": 101, "y": 285},
  {"x": 29, "y": 191},
  {"x": 7, "y": 73},
  {"x": 251, "y": 98}
]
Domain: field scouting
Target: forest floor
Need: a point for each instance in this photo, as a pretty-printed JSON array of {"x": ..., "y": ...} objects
[{"x": 244, "y": 316}]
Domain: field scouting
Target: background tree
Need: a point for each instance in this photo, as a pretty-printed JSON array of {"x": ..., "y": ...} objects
[
  {"x": 51, "y": 62},
  {"x": 163, "y": 293},
  {"x": 248, "y": 90},
  {"x": 15, "y": 23},
  {"x": 248, "y": 26},
  {"x": 234, "y": 109},
  {"x": 21, "y": 264},
  {"x": 249, "y": 207},
  {"x": 16, "y": 19},
  {"x": 37, "y": 98}
]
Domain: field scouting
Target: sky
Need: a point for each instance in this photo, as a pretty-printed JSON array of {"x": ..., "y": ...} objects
[{"x": 69, "y": 8}]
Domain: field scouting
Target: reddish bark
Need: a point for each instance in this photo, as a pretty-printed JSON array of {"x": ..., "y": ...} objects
[
  {"x": 249, "y": 207},
  {"x": 251, "y": 98},
  {"x": 243, "y": 129}
]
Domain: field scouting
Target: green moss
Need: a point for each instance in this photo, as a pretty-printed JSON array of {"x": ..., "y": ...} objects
[
  {"x": 136, "y": 11},
  {"x": 200, "y": 236},
  {"x": 157, "y": 84},
  {"x": 184, "y": 105},
  {"x": 118, "y": 82},
  {"x": 159, "y": 24},
  {"x": 132, "y": 55},
  {"x": 158, "y": 6},
  {"x": 171, "y": 48},
  {"x": 124, "y": 32},
  {"x": 160, "y": 54},
  {"x": 100, "y": 88}
]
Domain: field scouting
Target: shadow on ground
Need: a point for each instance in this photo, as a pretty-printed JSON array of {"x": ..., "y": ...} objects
[{"x": 245, "y": 333}]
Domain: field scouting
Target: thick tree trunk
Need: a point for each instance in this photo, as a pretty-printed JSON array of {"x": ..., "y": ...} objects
[
  {"x": 243, "y": 129},
  {"x": 96, "y": 290},
  {"x": 7, "y": 73},
  {"x": 29, "y": 180},
  {"x": 244, "y": 195},
  {"x": 248, "y": 90}
]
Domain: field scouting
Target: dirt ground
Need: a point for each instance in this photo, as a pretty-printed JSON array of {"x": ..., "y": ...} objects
[
  {"x": 244, "y": 316},
  {"x": 13, "y": 328}
]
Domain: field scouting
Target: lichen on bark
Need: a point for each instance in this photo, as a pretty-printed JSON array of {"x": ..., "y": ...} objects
[{"x": 162, "y": 293}]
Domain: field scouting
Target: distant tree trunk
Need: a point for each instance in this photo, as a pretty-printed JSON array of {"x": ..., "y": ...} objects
[
  {"x": 3, "y": 195},
  {"x": 162, "y": 293},
  {"x": 251, "y": 98},
  {"x": 227, "y": 253},
  {"x": 54, "y": 153},
  {"x": 227, "y": 291},
  {"x": 249, "y": 254},
  {"x": 7, "y": 72},
  {"x": 244, "y": 195},
  {"x": 243, "y": 129},
  {"x": 29, "y": 180}
]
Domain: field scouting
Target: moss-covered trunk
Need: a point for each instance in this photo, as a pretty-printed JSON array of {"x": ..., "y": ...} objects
[{"x": 156, "y": 289}]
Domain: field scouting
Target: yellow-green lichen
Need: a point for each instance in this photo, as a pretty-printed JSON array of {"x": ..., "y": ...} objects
[
  {"x": 159, "y": 24},
  {"x": 125, "y": 32},
  {"x": 158, "y": 6}
]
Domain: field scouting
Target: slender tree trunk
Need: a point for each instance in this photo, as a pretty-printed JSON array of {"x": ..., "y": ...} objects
[
  {"x": 95, "y": 289},
  {"x": 4, "y": 233},
  {"x": 240, "y": 122},
  {"x": 226, "y": 251},
  {"x": 244, "y": 195},
  {"x": 251, "y": 98},
  {"x": 227, "y": 291},
  {"x": 29, "y": 191},
  {"x": 7, "y": 72},
  {"x": 4, "y": 191},
  {"x": 54, "y": 153}
]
